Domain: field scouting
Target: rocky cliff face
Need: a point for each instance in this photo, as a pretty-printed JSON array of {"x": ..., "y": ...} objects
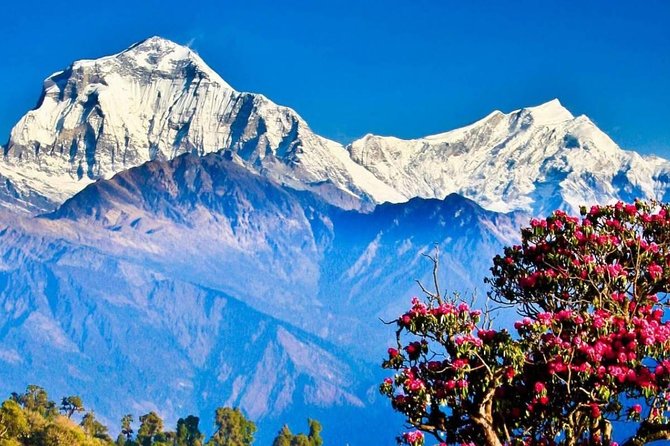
[{"x": 157, "y": 100}]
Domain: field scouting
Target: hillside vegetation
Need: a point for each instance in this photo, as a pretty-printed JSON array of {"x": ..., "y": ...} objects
[{"x": 32, "y": 419}]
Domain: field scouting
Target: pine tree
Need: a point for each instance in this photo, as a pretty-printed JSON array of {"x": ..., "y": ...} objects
[{"x": 232, "y": 428}]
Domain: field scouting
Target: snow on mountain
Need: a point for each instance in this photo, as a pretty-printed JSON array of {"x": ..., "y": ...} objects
[
  {"x": 157, "y": 100},
  {"x": 279, "y": 289},
  {"x": 534, "y": 159}
]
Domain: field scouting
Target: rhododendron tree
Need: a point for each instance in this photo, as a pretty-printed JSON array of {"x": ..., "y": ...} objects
[{"x": 591, "y": 347}]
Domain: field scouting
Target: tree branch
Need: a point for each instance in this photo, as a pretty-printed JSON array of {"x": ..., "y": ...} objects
[{"x": 649, "y": 432}]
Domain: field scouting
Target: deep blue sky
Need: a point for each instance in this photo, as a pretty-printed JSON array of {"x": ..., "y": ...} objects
[{"x": 407, "y": 68}]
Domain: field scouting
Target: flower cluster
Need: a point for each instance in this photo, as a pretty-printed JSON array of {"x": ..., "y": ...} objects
[
  {"x": 565, "y": 261},
  {"x": 593, "y": 359},
  {"x": 414, "y": 438}
]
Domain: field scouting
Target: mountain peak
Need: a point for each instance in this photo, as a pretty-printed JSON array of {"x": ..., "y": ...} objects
[
  {"x": 156, "y": 42},
  {"x": 551, "y": 112},
  {"x": 158, "y": 54},
  {"x": 157, "y": 48},
  {"x": 534, "y": 159},
  {"x": 156, "y": 100}
]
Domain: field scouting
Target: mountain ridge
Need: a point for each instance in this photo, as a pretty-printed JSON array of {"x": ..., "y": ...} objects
[
  {"x": 209, "y": 350},
  {"x": 534, "y": 159},
  {"x": 158, "y": 99},
  {"x": 112, "y": 262},
  {"x": 236, "y": 249},
  {"x": 228, "y": 212}
]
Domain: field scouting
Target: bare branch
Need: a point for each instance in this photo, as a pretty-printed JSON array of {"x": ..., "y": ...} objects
[{"x": 436, "y": 264}]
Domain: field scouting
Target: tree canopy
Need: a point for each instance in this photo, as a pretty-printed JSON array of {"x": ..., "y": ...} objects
[
  {"x": 313, "y": 438},
  {"x": 71, "y": 404},
  {"x": 592, "y": 346},
  {"x": 232, "y": 428},
  {"x": 31, "y": 419}
]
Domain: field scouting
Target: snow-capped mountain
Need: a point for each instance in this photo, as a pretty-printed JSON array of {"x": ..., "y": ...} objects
[
  {"x": 534, "y": 159},
  {"x": 157, "y": 100},
  {"x": 179, "y": 262}
]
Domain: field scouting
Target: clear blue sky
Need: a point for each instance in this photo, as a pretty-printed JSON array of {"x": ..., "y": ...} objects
[{"x": 407, "y": 68}]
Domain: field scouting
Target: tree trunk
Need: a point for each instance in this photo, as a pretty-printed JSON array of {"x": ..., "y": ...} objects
[
  {"x": 483, "y": 418},
  {"x": 489, "y": 433}
]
